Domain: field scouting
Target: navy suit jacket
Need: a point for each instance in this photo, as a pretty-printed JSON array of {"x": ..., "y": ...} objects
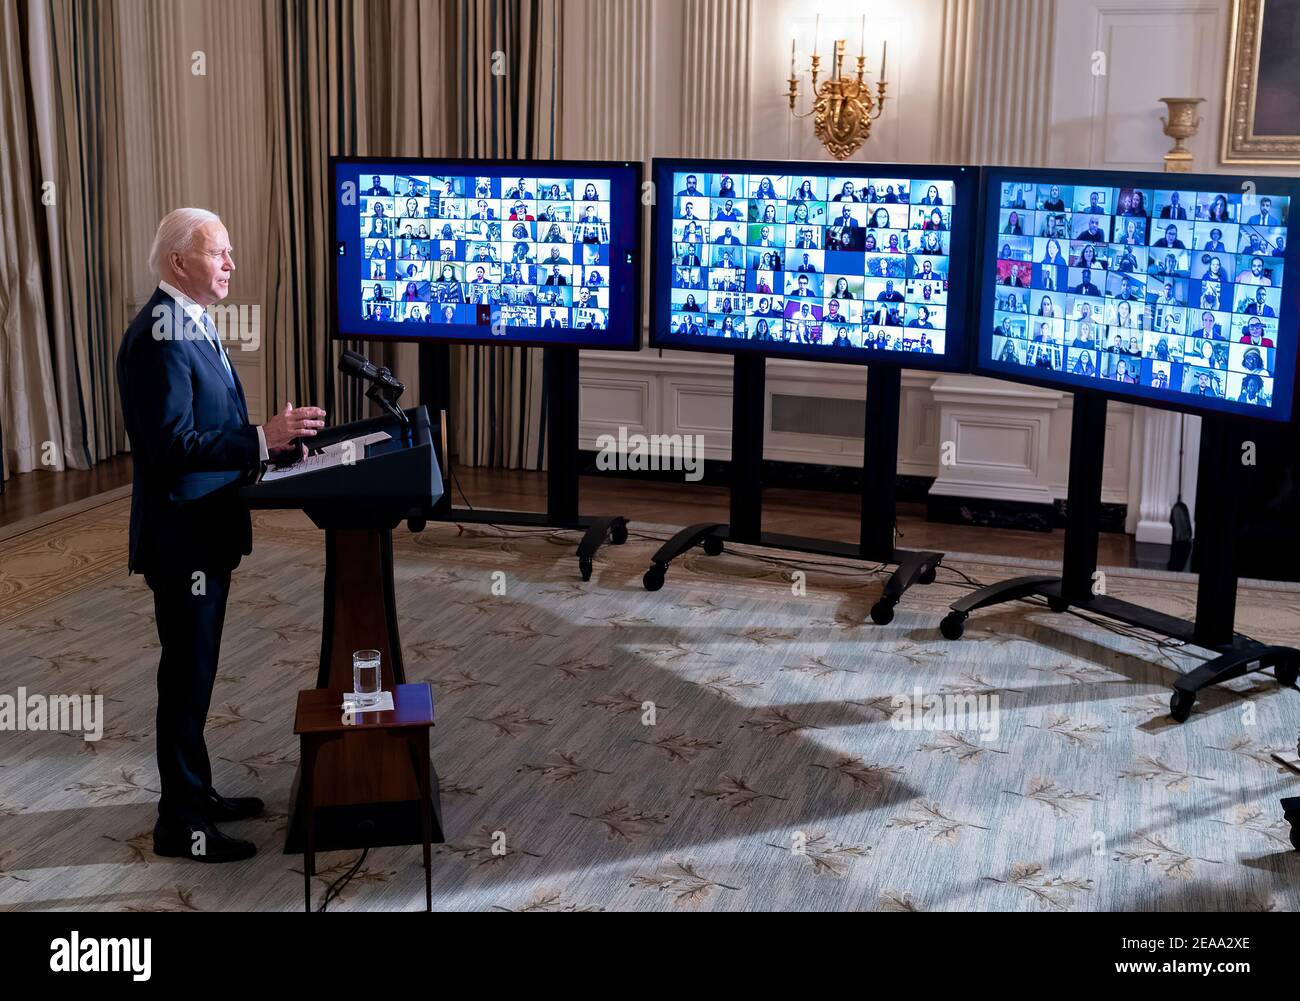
[{"x": 191, "y": 444}]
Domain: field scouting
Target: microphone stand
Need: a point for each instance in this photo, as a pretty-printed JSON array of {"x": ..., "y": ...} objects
[{"x": 385, "y": 392}]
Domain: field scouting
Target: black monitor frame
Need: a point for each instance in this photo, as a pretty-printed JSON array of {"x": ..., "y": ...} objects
[
  {"x": 987, "y": 252},
  {"x": 958, "y": 336},
  {"x": 632, "y": 295}
]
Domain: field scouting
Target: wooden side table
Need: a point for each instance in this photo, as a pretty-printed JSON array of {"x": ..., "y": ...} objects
[{"x": 370, "y": 743}]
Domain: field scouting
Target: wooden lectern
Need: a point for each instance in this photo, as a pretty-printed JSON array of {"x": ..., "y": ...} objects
[{"x": 368, "y": 792}]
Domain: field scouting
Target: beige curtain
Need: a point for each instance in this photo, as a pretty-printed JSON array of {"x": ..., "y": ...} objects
[
  {"x": 60, "y": 220},
  {"x": 347, "y": 78},
  {"x": 29, "y": 406},
  {"x": 92, "y": 216},
  {"x": 508, "y": 71}
]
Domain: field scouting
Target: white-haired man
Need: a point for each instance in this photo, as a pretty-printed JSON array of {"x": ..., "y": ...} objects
[{"x": 192, "y": 445}]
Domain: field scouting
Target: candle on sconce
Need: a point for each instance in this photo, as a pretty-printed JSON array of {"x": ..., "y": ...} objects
[
  {"x": 862, "y": 45},
  {"x": 817, "y": 34},
  {"x": 884, "y": 50},
  {"x": 792, "y": 55}
]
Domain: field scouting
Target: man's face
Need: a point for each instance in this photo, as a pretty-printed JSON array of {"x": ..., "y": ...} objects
[
  {"x": 1266, "y": 206},
  {"x": 375, "y": 180},
  {"x": 690, "y": 183},
  {"x": 803, "y": 284},
  {"x": 207, "y": 265},
  {"x": 1256, "y": 266},
  {"x": 1259, "y": 296}
]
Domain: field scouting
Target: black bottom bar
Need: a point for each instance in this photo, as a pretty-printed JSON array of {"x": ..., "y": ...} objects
[{"x": 913, "y": 567}]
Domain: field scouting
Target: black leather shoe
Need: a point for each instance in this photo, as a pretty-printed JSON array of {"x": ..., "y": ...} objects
[
  {"x": 220, "y": 810},
  {"x": 200, "y": 843}
]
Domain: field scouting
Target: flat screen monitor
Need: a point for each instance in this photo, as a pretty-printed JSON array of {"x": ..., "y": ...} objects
[
  {"x": 1171, "y": 290},
  {"x": 851, "y": 262},
  {"x": 514, "y": 252}
]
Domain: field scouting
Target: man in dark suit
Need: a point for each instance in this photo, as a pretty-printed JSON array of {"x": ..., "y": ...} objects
[
  {"x": 192, "y": 447},
  {"x": 1258, "y": 306},
  {"x": 1265, "y": 216},
  {"x": 1173, "y": 210},
  {"x": 1085, "y": 286}
]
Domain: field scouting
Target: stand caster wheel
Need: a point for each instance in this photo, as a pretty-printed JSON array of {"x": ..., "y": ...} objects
[
  {"x": 1058, "y": 604},
  {"x": 584, "y": 567},
  {"x": 882, "y": 612},
  {"x": 1286, "y": 674},
  {"x": 927, "y": 575},
  {"x": 654, "y": 578},
  {"x": 618, "y": 535},
  {"x": 416, "y": 525},
  {"x": 953, "y": 625},
  {"x": 1180, "y": 705},
  {"x": 712, "y": 546}
]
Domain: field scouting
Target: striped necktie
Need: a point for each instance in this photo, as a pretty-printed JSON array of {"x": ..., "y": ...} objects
[{"x": 210, "y": 329}]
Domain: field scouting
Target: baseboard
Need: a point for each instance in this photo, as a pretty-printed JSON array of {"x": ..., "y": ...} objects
[{"x": 1017, "y": 515}]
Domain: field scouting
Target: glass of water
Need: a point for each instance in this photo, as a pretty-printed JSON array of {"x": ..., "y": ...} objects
[{"x": 366, "y": 680}]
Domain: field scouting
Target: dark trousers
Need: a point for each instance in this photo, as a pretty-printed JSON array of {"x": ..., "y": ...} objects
[{"x": 189, "y": 628}]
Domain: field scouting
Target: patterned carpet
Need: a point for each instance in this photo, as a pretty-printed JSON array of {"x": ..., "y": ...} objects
[{"x": 772, "y": 776}]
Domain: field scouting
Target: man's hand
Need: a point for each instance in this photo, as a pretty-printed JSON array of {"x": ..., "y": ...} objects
[{"x": 284, "y": 428}]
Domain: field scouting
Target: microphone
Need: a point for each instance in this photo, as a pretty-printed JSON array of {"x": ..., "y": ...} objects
[
  {"x": 358, "y": 366},
  {"x": 384, "y": 389}
]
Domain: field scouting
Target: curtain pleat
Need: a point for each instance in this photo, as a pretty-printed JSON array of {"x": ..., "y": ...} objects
[
  {"x": 349, "y": 78},
  {"x": 499, "y": 406},
  {"x": 61, "y": 235},
  {"x": 94, "y": 228}
]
